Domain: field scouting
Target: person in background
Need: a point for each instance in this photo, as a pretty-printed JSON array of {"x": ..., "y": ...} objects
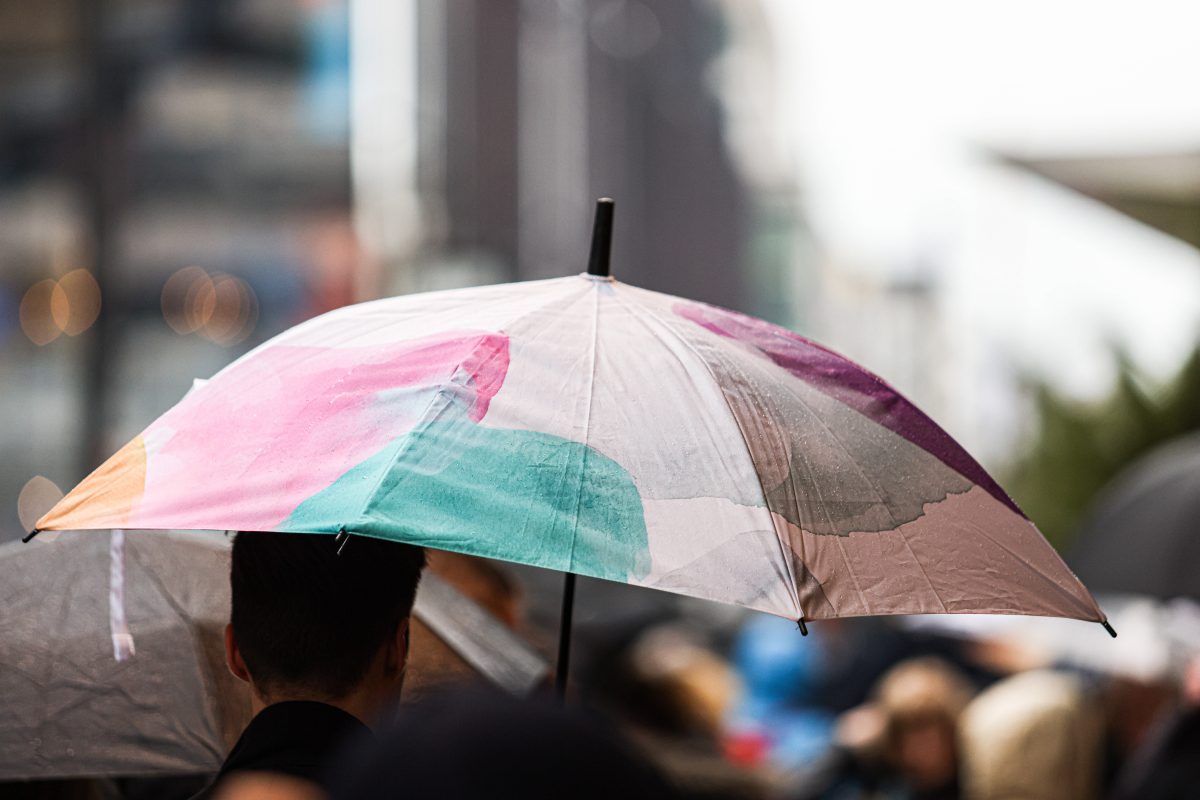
[
  {"x": 321, "y": 637},
  {"x": 778, "y": 720},
  {"x": 674, "y": 696},
  {"x": 1167, "y": 765},
  {"x": 476, "y": 744},
  {"x": 1034, "y": 736},
  {"x": 921, "y": 701},
  {"x": 901, "y": 745},
  {"x": 267, "y": 786},
  {"x": 433, "y": 664}
]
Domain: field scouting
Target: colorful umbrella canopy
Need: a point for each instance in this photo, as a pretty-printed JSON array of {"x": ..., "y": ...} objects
[{"x": 588, "y": 426}]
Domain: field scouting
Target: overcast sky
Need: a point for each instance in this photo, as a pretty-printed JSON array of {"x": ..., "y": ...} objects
[{"x": 896, "y": 110}]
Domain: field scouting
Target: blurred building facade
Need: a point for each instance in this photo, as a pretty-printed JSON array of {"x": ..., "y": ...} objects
[
  {"x": 175, "y": 186},
  {"x": 529, "y": 111}
]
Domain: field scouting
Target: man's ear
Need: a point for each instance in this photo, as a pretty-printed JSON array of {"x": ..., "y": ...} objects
[
  {"x": 397, "y": 649},
  {"x": 233, "y": 656}
]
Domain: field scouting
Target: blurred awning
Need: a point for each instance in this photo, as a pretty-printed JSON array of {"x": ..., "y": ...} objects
[{"x": 1161, "y": 190}]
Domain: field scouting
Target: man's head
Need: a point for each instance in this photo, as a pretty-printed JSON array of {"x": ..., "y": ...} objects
[{"x": 308, "y": 623}]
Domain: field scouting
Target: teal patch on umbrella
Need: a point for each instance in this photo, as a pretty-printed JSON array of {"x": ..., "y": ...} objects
[{"x": 516, "y": 495}]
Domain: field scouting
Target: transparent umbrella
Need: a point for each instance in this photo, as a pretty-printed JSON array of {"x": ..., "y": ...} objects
[{"x": 73, "y": 710}]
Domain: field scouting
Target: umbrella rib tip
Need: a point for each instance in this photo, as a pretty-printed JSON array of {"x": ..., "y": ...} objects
[
  {"x": 1108, "y": 628},
  {"x": 803, "y": 628},
  {"x": 32, "y": 533}
]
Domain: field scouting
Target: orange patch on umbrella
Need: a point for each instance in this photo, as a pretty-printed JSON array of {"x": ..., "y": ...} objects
[{"x": 106, "y": 498}]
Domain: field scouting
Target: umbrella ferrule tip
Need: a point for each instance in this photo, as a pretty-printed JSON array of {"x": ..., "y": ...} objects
[{"x": 598, "y": 261}]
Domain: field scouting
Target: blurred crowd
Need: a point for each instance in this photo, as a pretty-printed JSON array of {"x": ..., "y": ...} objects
[{"x": 872, "y": 708}]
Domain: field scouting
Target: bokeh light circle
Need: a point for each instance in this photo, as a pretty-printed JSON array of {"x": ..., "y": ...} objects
[
  {"x": 80, "y": 295},
  {"x": 44, "y": 312},
  {"x": 220, "y": 307},
  {"x": 234, "y": 310},
  {"x": 200, "y": 303},
  {"x": 182, "y": 285},
  {"x": 38, "y": 495}
]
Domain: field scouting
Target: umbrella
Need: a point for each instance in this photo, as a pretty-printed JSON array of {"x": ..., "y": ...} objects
[
  {"x": 453, "y": 635},
  {"x": 167, "y": 704},
  {"x": 70, "y": 708},
  {"x": 592, "y": 427},
  {"x": 1141, "y": 535}
]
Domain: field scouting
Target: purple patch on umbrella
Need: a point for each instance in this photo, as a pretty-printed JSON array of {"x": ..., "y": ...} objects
[{"x": 846, "y": 382}]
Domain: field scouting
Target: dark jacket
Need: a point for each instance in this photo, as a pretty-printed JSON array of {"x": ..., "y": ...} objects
[
  {"x": 296, "y": 738},
  {"x": 1167, "y": 766}
]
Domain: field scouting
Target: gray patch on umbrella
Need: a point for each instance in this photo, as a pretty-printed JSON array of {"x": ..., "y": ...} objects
[
  {"x": 832, "y": 470},
  {"x": 847, "y": 475}
]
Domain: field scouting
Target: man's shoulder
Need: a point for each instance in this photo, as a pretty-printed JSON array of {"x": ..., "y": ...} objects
[{"x": 296, "y": 738}]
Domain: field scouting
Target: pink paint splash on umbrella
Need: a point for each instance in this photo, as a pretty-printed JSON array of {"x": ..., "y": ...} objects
[{"x": 230, "y": 448}]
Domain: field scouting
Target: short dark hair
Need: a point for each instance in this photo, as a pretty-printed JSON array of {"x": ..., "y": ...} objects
[{"x": 307, "y": 618}]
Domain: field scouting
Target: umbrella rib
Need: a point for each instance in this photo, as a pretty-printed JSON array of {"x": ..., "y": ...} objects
[
  {"x": 441, "y": 395},
  {"x": 793, "y": 587},
  {"x": 583, "y": 453},
  {"x": 1099, "y": 616},
  {"x": 862, "y": 597},
  {"x": 882, "y": 501},
  {"x": 587, "y": 422},
  {"x": 445, "y": 398}
]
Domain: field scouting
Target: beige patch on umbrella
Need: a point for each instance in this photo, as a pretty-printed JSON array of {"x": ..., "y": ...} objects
[{"x": 107, "y": 497}]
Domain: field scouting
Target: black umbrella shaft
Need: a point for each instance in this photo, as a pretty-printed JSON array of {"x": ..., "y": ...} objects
[
  {"x": 564, "y": 636},
  {"x": 598, "y": 264}
]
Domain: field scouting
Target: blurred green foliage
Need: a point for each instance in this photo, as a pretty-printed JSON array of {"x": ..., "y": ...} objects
[{"x": 1079, "y": 447}]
